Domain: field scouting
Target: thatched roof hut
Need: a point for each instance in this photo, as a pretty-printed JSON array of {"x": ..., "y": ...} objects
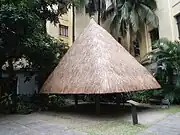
[{"x": 97, "y": 64}]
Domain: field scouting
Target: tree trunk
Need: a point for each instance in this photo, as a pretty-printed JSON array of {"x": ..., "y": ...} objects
[
  {"x": 76, "y": 100},
  {"x": 99, "y": 12},
  {"x": 128, "y": 39},
  {"x": 11, "y": 75},
  {"x": 12, "y": 84},
  {"x": 10, "y": 68},
  {"x": 73, "y": 23},
  {"x": 44, "y": 26},
  {"x": 132, "y": 51},
  {"x": 1, "y": 69},
  {"x": 145, "y": 42},
  {"x": 97, "y": 102}
]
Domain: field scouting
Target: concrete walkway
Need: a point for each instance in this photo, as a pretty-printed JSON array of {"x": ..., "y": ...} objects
[
  {"x": 22, "y": 125},
  {"x": 168, "y": 126},
  {"x": 47, "y": 123}
]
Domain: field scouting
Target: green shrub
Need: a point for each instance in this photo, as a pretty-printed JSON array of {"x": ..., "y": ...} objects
[
  {"x": 166, "y": 56},
  {"x": 144, "y": 96},
  {"x": 55, "y": 102},
  {"x": 7, "y": 103},
  {"x": 25, "y": 104}
]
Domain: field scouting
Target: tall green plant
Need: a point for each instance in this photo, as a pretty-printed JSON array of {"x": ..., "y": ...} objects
[{"x": 166, "y": 57}]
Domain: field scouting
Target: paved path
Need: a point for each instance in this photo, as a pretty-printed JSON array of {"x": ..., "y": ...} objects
[
  {"x": 63, "y": 124},
  {"x": 23, "y": 125},
  {"x": 168, "y": 126}
]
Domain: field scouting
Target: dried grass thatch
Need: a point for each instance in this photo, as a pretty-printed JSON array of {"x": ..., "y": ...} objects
[{"x": 97, "y": 64}]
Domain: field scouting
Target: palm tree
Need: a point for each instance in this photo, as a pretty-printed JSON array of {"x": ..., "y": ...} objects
[
  {"x": 166, "y": 57},
  {"x": 93, "y": 7},
  {"x": 130, "y": 17}
]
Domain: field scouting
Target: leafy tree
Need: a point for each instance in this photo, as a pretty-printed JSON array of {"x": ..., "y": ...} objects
[
  {"x": 22, "y": 36},
  {"x": 44, "y": 9},
  {"x": 17, "y": 25},
  {"x": 50, "y": 9}
]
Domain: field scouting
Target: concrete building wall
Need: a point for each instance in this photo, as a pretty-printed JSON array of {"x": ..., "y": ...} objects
[
  {"x": 175, "y": 11},
  {"x": 167, "y": 22},
  {"x": 52, "y": 29},
  {"x": 65, "y": 20},
  {"x": 167, "y": 10},
  {"x": 26, "y": 87},
  {"x": 82, "y": 20}
]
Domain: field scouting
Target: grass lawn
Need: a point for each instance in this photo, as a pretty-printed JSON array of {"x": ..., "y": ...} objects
[
  {"x": 173, "y": 109},
  {"x": 114, "y": 128},
  {"x": 121, "y": 127}
]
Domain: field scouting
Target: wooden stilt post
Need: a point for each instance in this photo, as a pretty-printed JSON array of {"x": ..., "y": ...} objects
[
  {"x": 97, "y": 102},
  {"x": 134, "y": 105},
  {"x": 76, "y": 100},
  {"x": 123, "y": 100},
  {"x": 134, "y": 114},
  {"x": 118, "y": 100}
]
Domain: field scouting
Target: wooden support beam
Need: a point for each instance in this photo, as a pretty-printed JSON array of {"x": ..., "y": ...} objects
[
  {"x": 76, "y": 100},
  {"x": 123, "y": 99},
  {"x": 97, "y": 102},
  {"x": 118, "y": 99}
]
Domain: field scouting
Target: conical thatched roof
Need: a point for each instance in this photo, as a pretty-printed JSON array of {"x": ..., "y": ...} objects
[{"x": 97, "y": 64}]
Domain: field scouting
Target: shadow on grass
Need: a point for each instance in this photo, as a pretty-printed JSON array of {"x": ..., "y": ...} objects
[{"x": 106, "y": 110}]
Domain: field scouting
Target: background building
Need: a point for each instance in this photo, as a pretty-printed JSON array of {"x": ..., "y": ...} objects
[
  {"x": 63, "y": 30},
  {"x": 169, "y": 26},
  {"x": 169, "y": 19}
]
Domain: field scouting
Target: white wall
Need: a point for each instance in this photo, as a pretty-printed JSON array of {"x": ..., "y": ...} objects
[
  {"x": 28, "y": 87},
  {"x": 165, "y": 24},
  {"x": 175, "y": 11},
  {"x": 167, "y": 10},
  {"x": 52, "y": 29},
  {"x": 25, "y": 88},
  {"x": 82, "y": 20}
]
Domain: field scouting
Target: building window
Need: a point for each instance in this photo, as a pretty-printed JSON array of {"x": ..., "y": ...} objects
[
  {"x": 119, "y": 40},
  {"x": 178, "y": 23},
  {"x": 63, "y": 30},
  {"x": 136, "y": 48},
  {"x": 154, "y": 35}
]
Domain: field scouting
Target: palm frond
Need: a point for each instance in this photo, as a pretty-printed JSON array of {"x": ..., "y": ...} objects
[
  {"x": 79, "y": 4},
  {"x": 134, "y": 19},
  {"x": 166, "y": 52},
  {"x": 125, "y": 10},
  {"x": 152, "y": 4},
  {"x": 150, "y": 17},
  {"x": 105, "y": 13},
  {"x": 115, "y": 22}
]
